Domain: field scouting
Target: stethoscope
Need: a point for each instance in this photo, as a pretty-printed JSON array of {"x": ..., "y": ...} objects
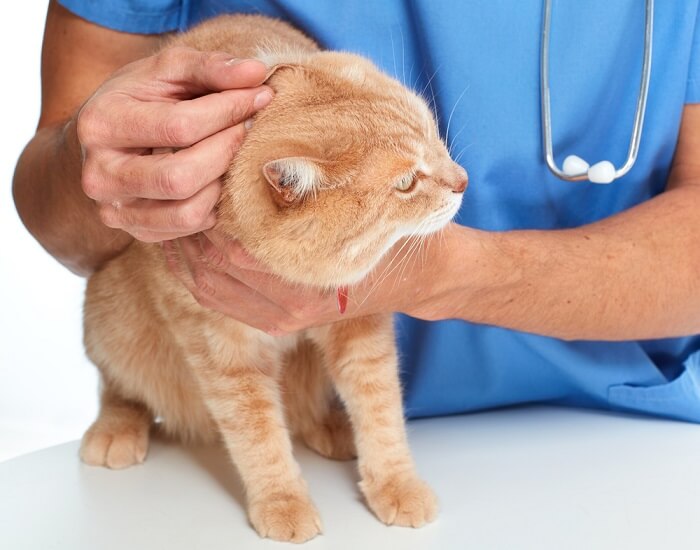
[{"x": 574, "y": 167}]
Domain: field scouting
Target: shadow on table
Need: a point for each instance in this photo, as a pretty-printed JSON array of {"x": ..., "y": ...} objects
[{"x": 215, "y": 461}]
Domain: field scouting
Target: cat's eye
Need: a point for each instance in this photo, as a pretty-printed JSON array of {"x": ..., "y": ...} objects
[{"x": 406, "y": 183}]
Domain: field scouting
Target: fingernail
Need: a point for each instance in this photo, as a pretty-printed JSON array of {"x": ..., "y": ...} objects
[
  {"x": 234, "y": 61},
  {"x": 262, "y": 99},
  {"x": 248, "y": 124}
]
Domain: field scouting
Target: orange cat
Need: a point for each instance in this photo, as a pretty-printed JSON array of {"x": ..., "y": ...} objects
[{"x": 340, "y": 166}]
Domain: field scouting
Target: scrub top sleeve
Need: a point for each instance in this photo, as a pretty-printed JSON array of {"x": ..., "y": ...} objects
[
  {"x": 692, "y": 94},
  {"x": 134, "y": 16}
]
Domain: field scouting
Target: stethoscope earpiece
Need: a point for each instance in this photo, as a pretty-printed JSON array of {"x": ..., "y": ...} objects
[
  {"x": 575, "y": 168},
  {"x": 601, "y": 172}
]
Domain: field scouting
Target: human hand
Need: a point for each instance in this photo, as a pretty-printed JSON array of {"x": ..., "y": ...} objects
[
  {"x": 192, "y": 104},
  {"x": 223, "y": 277}
]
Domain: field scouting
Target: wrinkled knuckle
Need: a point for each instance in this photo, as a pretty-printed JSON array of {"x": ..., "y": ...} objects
[
  {"x": 212, "y": 58},
  {"x": 215, "y": 257},
  {"x": 91, "y": 182},
  {"x": 89, "y": 125},
  {"x": 176, "y": 182},
  {"x": 203, "y": 284},
  {"x": 107, "y": 214},
  {"x": 238, "y": 136},
  {"x": 177, "y": 130},
  {"x": 190, "y": 216},
  {"x": 237, "y": 255},
  {"x": 170, "y": 57}
]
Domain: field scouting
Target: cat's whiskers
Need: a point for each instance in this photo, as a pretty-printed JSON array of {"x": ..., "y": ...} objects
[
  {"x": 393, "y": 51},
  {"x": 384, "y": 273},
  {"x": 462, "y": 151},
  {"x": 405, "y": 262},
  {"x": 454, "y": 139},
  {"x": 411, "y": 255},
  {"x": 423, "y": 253},
  {"x": 428, "y": 84},
  {"x": 387, "y": 271},
  {"x": 403, "y": 57},
  {"x": 454, "y": 108}
]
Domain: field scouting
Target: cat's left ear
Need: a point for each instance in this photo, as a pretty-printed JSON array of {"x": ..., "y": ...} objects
[
  {"x": 274, "y": 68},
  {"x": 294, "y": 178}
]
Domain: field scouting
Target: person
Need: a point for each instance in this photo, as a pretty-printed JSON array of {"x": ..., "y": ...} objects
[{"x": 542, "y": 290}]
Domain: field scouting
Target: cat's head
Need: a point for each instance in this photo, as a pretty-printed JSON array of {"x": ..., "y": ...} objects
[{"x": 341, "y": 165}]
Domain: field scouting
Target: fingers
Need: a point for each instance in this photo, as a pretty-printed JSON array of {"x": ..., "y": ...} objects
[
  {"x": 220, "y": 292},
  {"x": 155, "y": 221},
  {"x": 226, "y": 254},
  {"x": 181, "y": 98},
  {"x": 196, "y": 72},
  {"x": 167, "y": 176},
  {"x": 151, "y": 124},
  {"x": 297, "y": 307}
]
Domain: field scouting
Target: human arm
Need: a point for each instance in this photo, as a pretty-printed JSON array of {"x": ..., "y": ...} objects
[
  {"x": 633, "y": 275},
  {"x": 84, "y": 185}
]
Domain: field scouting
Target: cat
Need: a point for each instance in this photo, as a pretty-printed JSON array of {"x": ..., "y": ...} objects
[{"x": 343, "y": 163}]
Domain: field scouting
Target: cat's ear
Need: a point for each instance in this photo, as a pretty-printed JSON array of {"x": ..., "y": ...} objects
[
  {"x": 294, "y": 178},
  {"x": 274, "y": 68}
]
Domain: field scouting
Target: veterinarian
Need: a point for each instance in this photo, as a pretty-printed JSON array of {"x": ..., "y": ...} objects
[{"x": 543, "y": 290}]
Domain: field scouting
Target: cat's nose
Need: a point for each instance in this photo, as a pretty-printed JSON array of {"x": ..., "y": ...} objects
[{"x": 461, "y": 180}]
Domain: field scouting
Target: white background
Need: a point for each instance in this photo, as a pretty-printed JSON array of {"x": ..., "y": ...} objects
[{"x": 48, "y": 389}]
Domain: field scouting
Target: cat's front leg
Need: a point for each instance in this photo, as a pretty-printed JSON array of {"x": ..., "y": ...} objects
[
  {"x": 243, "y": 398},
  {"x": 362, "y": 362}
]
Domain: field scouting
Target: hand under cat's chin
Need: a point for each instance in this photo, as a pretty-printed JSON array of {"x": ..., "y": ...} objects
[{"x": 222, "y": 276}]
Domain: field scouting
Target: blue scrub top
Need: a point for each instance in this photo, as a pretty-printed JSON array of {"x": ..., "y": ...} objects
[{"x": 480, "y": 62}]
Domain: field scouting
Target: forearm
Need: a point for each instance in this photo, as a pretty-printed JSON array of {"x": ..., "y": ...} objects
[
  {"x": 53, "y": 207},
  {"x": 631, "y": 276}
]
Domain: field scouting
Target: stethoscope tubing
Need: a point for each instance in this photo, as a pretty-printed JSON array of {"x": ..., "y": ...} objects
[{"x": 637, "y": 128}]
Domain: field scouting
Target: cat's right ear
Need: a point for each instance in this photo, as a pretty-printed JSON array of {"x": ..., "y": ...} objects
[{"x": 293, "y": 178}]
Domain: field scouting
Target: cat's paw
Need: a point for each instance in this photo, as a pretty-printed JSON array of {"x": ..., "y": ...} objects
[
  {"x": 286, "y": 517},
  {"x": 404, "y": 500},
  {"x": 113, "y": 449}
]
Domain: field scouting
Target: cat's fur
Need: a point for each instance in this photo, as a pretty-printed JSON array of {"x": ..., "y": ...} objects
[{"x": 311, "y": 194}]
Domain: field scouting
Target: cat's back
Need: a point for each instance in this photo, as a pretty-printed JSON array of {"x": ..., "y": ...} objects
[{"x": 243, "y": 36}]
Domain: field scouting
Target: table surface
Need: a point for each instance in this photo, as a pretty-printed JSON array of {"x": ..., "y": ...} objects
[{"x": 527, "y": 478}]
